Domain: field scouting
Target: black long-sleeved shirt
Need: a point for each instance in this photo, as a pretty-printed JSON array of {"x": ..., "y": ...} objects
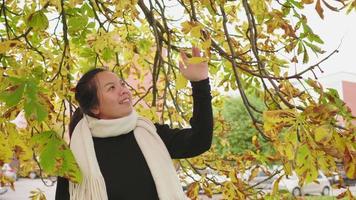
[{"x": 121, "y": 162}]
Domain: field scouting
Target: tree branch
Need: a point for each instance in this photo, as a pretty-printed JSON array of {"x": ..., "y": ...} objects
[{"x": 238, "y": 82}]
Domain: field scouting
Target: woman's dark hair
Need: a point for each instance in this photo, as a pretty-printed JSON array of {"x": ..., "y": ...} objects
[{"x": 86, "y": 96}]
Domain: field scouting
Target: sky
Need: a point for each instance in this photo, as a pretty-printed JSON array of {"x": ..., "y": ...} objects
[{"x": 336, "y": 29}]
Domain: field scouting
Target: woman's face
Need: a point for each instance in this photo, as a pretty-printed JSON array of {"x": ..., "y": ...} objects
[{"x": 115, "y": 99}]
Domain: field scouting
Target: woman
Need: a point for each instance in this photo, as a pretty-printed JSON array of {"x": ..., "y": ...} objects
[{"x": 125, "y": 156}]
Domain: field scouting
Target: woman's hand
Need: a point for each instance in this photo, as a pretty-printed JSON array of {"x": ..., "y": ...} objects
[{"x": 193, "y": 72}]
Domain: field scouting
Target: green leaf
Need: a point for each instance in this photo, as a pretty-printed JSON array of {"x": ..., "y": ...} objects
[
  {"x": 300, "y": 48},
  {"x": 297, "y": 26},
  {"x": 38, "y": 21},
  {"x": 315, "y": 48},
  {"x": 91, "y": 25},
  {"x": 296, "y": 4},
  {"x": 77, "y": 23},
  {"x": 306, "y": 56},
  {"x": 39, "y": 138},
  {"x": 302, "y": 153},
  {"x": 306, "y": 28},
  {"x": 35, "y": 109},
  {"x": 315, "y": 38},
  {"x": 55, "y": 156},
  {"x": 144, "y": 45},
  {"x": 107, "y": 54},
  {"x": 31, "y": 89},
  {"x": 48, "y": 154},
  {"x": 333, "y": 92},
  {"x": 88, "y": 10},
  {"x": 13, "y": 98},
  {"x": 36, "y": 38},
  {"x": 87, "y": 52}
]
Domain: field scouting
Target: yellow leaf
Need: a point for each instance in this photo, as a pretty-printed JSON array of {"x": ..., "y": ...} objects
[
  {"x": 186, "y": 26},
  {"x": 276, "y": 185},
  {"x": 228, "y": 190},
  {"x": 254, "y": 173},
  {"x": 289, "y": 150},
  {"x": 351, "y": 171},
  {"x": 195, "y": 31},
  {"x": 73, "y": 3},
  {"x": 276, "y": 120},
  {"x": 206, "y": 44},
  {"x": 322, "y": 134},
  {"x": 196, "y": 60},
  {"x": 307, "y": 1},
  {"x": 181, "y": 82},
  {"x": 232, "y": 176},
  {"x": 287, "y": 168},
  {"x": 255, "y": 142},
  {"x": 324, "y": 160},
  {"x": 7, "y": 45},
  {"x": 350, "y": 162},
  {"x": 208, "y": 190},
  {"x": 193, "y": 190}
]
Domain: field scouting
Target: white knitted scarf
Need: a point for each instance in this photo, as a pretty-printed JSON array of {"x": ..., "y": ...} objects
[{"x": 154, "y": 151}]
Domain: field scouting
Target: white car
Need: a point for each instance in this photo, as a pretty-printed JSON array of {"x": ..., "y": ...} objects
[
  {"x": 290, "y": 183},
  {"x": 189, "y": 177},
  {"x": 261, "y": 180},
  {"x": 3, "y": 190},
  {"x": 8, "y": 172}
]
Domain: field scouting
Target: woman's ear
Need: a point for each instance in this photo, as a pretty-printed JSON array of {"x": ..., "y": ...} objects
[{"x": 95, "y": 110}]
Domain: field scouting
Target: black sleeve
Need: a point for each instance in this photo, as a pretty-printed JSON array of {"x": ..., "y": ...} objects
[
  {"x": 190, "y": 142},
  {"x": 62, "y": 190}
]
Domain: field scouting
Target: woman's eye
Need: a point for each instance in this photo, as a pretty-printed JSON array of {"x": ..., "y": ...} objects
[
  {"x": 123, "y": 83},
  {"x": 112, "y": 87}
]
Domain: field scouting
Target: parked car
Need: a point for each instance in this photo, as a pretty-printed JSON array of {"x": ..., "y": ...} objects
[
  {"x": 3, "y": 190},
  {"x": 346, "y": 180},
  {"x": 290, "y": 183},
  {"x": 261, "y": 180},
  {"x": 9, "y": 172},
  {"x": 187, "y": 178},
  {"x": 333, "y": 178}
]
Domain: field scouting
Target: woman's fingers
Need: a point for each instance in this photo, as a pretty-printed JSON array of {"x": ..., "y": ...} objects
[
  {"x": 196, "y": 51},
  {"x": 184, "y": 57},
  {"x": 181, "y": 66}
]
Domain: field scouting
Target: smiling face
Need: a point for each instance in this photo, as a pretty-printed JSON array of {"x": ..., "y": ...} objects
[{"x": 115, "y": 99}]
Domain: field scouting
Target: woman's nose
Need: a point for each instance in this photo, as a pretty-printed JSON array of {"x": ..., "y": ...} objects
[{"x": 123, "y": 90}]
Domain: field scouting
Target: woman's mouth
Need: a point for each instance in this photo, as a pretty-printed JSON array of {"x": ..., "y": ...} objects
[{"x": 124, "y": 101}]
